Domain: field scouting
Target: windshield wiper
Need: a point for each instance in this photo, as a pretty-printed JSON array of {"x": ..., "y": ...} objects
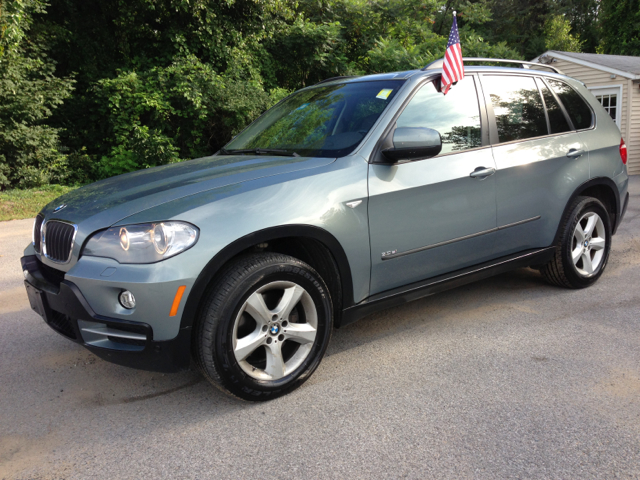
[{"x": 260, "y": 151}]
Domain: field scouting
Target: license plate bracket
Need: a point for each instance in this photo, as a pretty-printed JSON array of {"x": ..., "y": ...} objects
[{"x": 37, "y": 300}]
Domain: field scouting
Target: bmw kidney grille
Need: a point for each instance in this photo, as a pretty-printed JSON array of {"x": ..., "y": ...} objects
[{"x": 57, "y": 240}]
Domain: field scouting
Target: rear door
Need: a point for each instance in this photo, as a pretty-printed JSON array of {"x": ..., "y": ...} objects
[
  {"x": 428, "y": 217},
  {"x": 540, "y": 160}
]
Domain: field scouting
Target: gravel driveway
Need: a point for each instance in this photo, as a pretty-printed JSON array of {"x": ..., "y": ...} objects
[{"x": 505, "y": 378}]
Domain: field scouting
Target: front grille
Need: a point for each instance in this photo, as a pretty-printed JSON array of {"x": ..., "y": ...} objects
[
  {"x": 62, "y": 323},
  {"x": 37, "y": 237},
  {"x": 58, "y": 240}
]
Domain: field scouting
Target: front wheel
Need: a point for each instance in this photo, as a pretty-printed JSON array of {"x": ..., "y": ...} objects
[
  {"x": 264, "y": 326},
  {"x": 584, "y": 247}
]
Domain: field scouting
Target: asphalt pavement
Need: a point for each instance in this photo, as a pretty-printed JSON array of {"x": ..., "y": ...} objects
[{"x": 505, "y": 378}]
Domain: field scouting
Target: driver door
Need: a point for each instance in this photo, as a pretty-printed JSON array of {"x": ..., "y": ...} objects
[{"x": 428, "y": 217}]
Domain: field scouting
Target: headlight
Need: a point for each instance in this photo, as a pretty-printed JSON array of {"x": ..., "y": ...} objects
[{"x": 142, "y": 243}]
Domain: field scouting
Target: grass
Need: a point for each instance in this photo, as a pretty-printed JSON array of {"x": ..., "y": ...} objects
[{"x": 17, "y": 204}]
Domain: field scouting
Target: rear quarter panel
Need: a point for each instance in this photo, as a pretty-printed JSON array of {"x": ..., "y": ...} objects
[{"x": 603, "y": 143}]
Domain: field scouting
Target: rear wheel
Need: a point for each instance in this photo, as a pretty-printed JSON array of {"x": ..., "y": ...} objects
[
  {"x": 264, "y": 327},
  {"x": 585, "y": 242}
]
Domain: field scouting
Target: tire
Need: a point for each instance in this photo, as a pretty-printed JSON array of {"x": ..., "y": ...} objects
[
  {"x": 263, "y": 327},
  {"x": 583, "y": 250}
]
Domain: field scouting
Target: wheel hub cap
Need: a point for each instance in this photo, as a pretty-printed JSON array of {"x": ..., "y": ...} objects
[
  {"x": 589, "y": 242},
  {"x": 270, "y": 342}
]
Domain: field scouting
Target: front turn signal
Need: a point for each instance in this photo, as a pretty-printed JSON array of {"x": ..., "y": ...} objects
[{"x": 176, "y": 301}]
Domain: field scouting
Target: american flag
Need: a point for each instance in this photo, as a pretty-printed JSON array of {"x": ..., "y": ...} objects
[{"x": 453, "y": 68}]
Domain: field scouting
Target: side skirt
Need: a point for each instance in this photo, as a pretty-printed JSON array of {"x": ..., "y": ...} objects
[{"x": 424, "y": 288}]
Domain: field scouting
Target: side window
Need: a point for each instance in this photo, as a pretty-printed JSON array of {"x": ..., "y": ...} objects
[
  {"x": 557, "y": 120},
  {"x": 517, "y": 107},
  {"x": 578, "y": 110},
  {"x": 455, "y": 115}
]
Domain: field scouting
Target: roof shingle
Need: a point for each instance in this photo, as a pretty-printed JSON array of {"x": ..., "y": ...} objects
[{"x": 619, "y": 62}]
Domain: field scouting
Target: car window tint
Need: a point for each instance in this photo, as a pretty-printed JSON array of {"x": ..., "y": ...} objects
[
  {"x": 577, "y": 108},
  {"x": 517, "y": 107},
  {"x": 557, "y": 120},
  {"x": 456, "y": 115}
]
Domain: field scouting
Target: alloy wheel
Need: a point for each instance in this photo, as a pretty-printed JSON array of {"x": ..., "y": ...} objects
[
  {"x": 274, "y": 330},
  {"x": 588, "y": 245}
]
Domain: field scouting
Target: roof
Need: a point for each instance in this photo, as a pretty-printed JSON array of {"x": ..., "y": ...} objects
[{"x": 623, "y": 65}]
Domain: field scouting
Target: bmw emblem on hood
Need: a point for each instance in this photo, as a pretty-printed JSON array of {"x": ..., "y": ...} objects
[{"x": 59, "y": 207}]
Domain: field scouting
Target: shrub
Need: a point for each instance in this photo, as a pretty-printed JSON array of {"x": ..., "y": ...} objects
[{"x": 168, "y": 114}]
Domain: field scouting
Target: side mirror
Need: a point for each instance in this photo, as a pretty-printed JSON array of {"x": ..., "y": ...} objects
[{"x": 410, "y": 143}]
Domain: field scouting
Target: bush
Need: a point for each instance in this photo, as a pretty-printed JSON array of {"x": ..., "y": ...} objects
[
  {"x": 29, "y": 92},
  {"x": 168, "y": 114}
]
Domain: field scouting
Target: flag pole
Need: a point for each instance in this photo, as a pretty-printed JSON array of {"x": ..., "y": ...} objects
[{"x": 452, "y": 65}]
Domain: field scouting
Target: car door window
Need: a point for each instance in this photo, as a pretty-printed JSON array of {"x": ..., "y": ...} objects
[
  {"x": 517, "y": 107},
  {"x": 557, "y": 120},
  {"x": 456, "y": 115},
  {"x": 578, "y": 110}
]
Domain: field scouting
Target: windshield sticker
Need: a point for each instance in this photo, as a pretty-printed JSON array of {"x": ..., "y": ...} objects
[{"x": 384, "y": 93}]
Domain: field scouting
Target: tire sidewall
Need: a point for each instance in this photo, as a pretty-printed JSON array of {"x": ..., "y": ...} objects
[
  {"x": 585, "y": 206},
  {"x": 237, "y": 380}
]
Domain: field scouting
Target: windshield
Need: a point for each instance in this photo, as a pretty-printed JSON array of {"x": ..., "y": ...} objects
[{"x": 325, "y": 121}]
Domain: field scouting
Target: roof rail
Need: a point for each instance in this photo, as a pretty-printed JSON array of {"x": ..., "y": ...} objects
[
  {"x": 438, "y": 63},
  {"x": 335, "y": 78}
]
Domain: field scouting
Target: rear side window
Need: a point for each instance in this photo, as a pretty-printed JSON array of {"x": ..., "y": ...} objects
[
  {"x": 557, "y": 120},
  {"x": 456, "y": 115},
  {"x": 517, "y": 106},
  {"x": 577, "y": 108}
]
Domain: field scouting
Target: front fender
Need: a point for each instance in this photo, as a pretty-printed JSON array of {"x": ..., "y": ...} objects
[{"x": 309, "y": 204}]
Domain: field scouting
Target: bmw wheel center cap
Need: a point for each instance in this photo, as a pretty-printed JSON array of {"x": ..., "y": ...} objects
[{"x": 274, "y": 329}]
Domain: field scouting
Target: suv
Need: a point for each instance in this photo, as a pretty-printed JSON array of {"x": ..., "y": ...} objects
[{"x": 350, "y": 196}]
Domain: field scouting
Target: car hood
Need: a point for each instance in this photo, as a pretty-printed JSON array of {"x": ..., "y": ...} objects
[{"x": 104, "y": 203}]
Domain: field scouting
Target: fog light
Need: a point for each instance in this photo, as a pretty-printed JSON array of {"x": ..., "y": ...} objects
[{"x": 127, "y": 300}]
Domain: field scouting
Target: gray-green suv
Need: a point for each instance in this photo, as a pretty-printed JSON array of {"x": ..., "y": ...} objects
[{"x": 347, "y": 197}]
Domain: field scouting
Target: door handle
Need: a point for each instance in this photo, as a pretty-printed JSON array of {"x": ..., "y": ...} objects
[
  {"x": 482, "y": 172},
  {"x": 573, "y": 153}
]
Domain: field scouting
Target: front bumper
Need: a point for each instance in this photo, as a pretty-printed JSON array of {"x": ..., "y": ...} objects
[{"x": 65, "y": 310}]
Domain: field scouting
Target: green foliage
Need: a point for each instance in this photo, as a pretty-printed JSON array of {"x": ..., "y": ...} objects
[
  {"x": 305, "y": 53},
  {"x": 94, "y": 88},
  {"x": 620, "y": 27},
  {"x": 29, "y": 92},
  {"x": 15, "y": 21},
  {"x": 558, "y": 35},
  {"x": 583, "y": 16},
  {"x": 168, "y": 114}
]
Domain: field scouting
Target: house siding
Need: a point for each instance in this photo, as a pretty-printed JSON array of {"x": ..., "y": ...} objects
[
  {"x": 633, "y": 148},
  {"x": 592, "y": 77}
]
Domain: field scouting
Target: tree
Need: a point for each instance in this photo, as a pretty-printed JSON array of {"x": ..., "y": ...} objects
[
  {"x": 620, "y": 27},
  {"x": 29, "y": 92},
  {"x": 558, "y": 37},
  {"x": 583, "y": 16}
]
